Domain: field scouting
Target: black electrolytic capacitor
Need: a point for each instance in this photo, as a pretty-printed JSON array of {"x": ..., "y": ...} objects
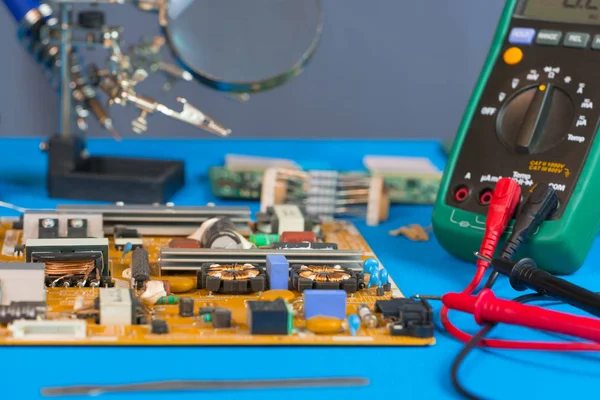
[
  {"x": 186, "y": 307},
  {"x": 221, "y": 235},
  {"x": 140, "y": 267}
]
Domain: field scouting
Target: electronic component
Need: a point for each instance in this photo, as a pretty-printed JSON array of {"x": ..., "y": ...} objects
[
  {"x": 180, "y": 284},
  {"x": 47, "y": 228},
  {"x": 54, "y": 224},
  {"x": 324, "y": 325},
  {"x": 140, "y": 267},
  {"x": 305, "y": 277},
  {"x": 19, "y": 250},
  {"x": 22, "y": 310},
  {"x": 221, "y": 318},
  {"x": 154, "y": 290},
  {"x": 186, "y": 307},
  {"x": 269, "y": 318},
  {"x": 159, "y": 327},
  {"x": 77, "y": 227},
  {"x": 263, "y": 239},
  {"x": 48, "y": 330},
  {"x": 22, "y": 282},
  {"x": 326, "y": 303},
  {"x": 366, "y": 316},
  {"x": 116, "y": 307},
  {"x": 353, "y": 324},
  {"x": 384, "y": 280},
  {"x": 289, "y": 237},
  {"x": 280, "y": 218},
  {"x": 371, "y": 266},
  {"x": 157, "y": 220},
  {"x": 286, "y": 295},
  {"x": 74, "y": 262},
  {"x": 411, "y": 317},
  {"x": 184, "y": 243},
  {"x": 231, "y": 278},
  {"x": 278, "y": 271},
  {"x": 325, "y": 194},
  {"x": 168, "y": 300},
  {"x": 305, "y": 245},
  {"x": 193, "y": 259},
  {"x": 219, "y": 233},
  {"x": 127, "y": 236}
]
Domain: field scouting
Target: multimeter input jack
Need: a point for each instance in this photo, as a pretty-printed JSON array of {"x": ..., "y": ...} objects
[
  {"x": 461, "y": 193},
  {"x": 485, "y": 197}
]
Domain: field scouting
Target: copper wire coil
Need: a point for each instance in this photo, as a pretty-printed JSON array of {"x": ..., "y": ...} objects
[
  {"x": 233, "y": 272},
  {"x": 69, "y": 268},
  {"x": 322, "y": 273}
]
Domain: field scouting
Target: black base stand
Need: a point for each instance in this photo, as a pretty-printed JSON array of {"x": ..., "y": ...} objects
[{"x": 74, "y": 174}]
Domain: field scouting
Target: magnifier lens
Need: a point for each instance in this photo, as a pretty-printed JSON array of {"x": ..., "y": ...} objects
[{"x": 244, "y": 45}]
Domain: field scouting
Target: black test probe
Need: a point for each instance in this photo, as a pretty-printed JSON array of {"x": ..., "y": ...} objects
[{"x": 542, "y": 202}]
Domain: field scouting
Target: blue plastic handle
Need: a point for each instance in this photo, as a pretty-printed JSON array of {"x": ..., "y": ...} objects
[{"x": 19, "y": 8}]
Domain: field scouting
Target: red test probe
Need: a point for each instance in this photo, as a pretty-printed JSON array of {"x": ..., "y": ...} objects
[
  {"x": 487, "y": 308},
  {"x": 505, "y": 200}
]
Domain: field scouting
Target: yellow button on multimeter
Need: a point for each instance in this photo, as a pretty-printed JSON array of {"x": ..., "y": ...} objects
[{"x": 513, "y": 56}]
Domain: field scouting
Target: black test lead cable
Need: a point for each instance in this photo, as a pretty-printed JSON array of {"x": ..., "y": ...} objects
[
  {"x": 537, "y": 208},
  {"x": 474, "y": 342}
]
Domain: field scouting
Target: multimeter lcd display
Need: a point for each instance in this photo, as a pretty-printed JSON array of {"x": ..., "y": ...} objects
[{"x": 577, "y": 11}]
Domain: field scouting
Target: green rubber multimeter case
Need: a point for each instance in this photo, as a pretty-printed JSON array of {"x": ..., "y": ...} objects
[{"x": 533, "y": 116}]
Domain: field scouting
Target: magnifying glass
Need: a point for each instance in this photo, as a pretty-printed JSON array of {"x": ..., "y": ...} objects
[{"x": 242, "y": 46}]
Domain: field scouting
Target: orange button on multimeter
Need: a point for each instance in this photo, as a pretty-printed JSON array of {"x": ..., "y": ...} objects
[{"x": 513, "y": 56}]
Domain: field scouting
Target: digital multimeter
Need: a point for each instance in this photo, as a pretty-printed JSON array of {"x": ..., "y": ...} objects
[{"x": 532, "y": 117}]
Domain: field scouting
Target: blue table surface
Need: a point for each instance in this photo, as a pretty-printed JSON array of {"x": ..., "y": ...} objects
[{"x": 409, "y": 373}]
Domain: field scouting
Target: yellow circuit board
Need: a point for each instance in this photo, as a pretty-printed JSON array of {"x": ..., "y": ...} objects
[{"x": 194, "y": 330}]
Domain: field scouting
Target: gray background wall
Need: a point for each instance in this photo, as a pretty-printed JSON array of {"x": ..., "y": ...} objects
[{"x": 385, "y": 69}]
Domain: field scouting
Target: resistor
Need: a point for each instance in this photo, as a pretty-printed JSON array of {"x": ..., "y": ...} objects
[
  {"x": 140, "y": 267},
  {"x": 21, "y": 310},
  {"x": 264, "y": 239},
  {"x": 367, "y": 317},
  {"x": 167, "y": 300}
]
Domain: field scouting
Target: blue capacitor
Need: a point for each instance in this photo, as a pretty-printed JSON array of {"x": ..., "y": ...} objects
[
  {"x": 384, "y": 277},
  {"x": 127, "y": 248},
  {"x": 374, "y": 280},
  {"x": 353, "y": 324},
  {"x": 370, "y": 265},
  {"x": 20, "y": 8}
]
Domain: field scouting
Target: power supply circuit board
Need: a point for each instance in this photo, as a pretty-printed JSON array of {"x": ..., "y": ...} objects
[{"x": 264, "y": 317}]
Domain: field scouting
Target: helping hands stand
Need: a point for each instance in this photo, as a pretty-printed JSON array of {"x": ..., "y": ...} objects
[{"x": 72, "y": 172}]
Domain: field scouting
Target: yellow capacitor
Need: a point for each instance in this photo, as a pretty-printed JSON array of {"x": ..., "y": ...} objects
[
  {"x": 180, "y": 284},
  {"x": 324, "y": 325},
  {"x": 278, "y": 294}
]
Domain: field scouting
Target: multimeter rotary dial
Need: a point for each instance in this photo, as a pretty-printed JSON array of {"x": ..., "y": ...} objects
[{"x": 535, "y": 119}]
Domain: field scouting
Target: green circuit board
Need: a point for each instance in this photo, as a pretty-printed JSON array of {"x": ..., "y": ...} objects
[{"x": 246, "y": 184}]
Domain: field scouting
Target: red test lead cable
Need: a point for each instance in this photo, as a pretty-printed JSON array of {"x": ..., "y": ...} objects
[
  {"x": 487, "y": 308},
  {"x": 505, "y": 200}
]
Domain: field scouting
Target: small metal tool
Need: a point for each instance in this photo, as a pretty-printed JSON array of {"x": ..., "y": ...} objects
[{"x": 207, "y": 385}]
